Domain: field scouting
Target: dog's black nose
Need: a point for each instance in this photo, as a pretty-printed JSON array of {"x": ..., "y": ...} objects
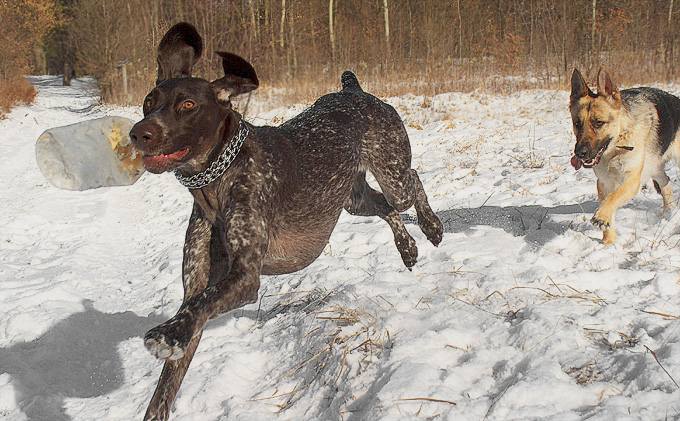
[
  {"x": 581, "y": 150},
  {"x": 144, "y": 133}
]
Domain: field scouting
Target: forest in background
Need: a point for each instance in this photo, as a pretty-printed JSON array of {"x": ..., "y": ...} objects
[
  {"x": 23, "y": 27},
  {"x": 395, "y": 46}
]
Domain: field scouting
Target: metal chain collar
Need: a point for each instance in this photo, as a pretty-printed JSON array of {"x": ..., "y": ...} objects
[{"x": 218, "y": 166}]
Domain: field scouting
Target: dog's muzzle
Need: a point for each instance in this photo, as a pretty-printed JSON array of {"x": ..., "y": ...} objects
[
  {"x": 578, "y": 159},
  {"x": 156, "y": 155}
]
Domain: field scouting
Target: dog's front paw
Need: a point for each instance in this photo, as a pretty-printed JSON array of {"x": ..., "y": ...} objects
[
  {"x": 600, "y": 220},
  {"x": 407, "y": 249},
  {"x": 169, "y": 340},
  {"x": 608, "y": 237}
]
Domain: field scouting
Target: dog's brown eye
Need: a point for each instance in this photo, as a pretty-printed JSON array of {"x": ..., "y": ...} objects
[
  {"x": 187, "y": 105},
  {"x": 147, "y": 103},
  {"x": 597, "y": 124}
]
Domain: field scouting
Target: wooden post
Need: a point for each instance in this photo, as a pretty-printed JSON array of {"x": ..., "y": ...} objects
[
  {"x": 68, "y": 73},
  {"x": 125, "y": 84},
  {"x": 122, "y": 65}
]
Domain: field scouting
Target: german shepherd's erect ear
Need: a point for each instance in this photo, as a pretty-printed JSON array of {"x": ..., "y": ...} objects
[
  {"x": 579, "y": 87},
  {"x": 606, "y": 88}
]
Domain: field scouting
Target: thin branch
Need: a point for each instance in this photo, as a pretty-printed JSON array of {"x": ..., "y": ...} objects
[{"x": 662, "y": 367}]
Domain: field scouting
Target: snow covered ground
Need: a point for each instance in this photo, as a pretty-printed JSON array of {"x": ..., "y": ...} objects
[{"x": 520, "y": 314}]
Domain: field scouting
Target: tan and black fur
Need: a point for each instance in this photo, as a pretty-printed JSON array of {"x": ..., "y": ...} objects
[{"x": 626, "y": 137}]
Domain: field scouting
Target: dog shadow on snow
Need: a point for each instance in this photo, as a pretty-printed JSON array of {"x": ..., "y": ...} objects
[
  {"x": 534, "y": 222},
  {"x": 76, "y": 358}
]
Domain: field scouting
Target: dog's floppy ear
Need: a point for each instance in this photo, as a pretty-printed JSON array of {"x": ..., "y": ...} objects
[
  {"x": 178, "y": 51},
  {"x": 239, "y": 77},
  {"x": 579, "y": 86},
  {"x": 605, "y": 86}
]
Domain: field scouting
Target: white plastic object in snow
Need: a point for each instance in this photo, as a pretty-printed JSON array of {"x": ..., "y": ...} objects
[{"x": 89, "y": 154}]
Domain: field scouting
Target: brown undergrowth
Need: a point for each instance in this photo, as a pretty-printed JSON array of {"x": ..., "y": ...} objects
[{"x": 15, "y": 92}]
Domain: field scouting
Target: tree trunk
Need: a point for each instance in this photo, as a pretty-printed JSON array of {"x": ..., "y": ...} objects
[
  {"x": 255, "y": 27},
  {"x": 669, "y": 42},
  {"x": 331, "y": 30},
  {"x": 592, "y": 30},
  {"x": 460, "y": 35},
  {"x": 386, "y": 17},
  {"x": 283, "y": 24}
]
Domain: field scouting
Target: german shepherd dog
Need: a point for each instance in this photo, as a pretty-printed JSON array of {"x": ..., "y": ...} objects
[{"x": 626, "y": 137}]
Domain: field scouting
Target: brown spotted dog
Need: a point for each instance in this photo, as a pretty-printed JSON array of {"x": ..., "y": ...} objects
[
  {"x": 626, "y": 137},
  {"x": 266, "y": 199}
]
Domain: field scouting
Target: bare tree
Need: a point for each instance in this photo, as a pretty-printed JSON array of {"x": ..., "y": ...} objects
[
  {"x": 283, "y": 23},
  {"x": 386, "y": 17},
  {"x": 302, "y": 45},
  {"x": 594, "y": 25},
  {"x": 331, "y": 29}
]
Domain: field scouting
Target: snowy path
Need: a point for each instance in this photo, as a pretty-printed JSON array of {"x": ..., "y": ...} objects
[{"x": 520, "y": 314}]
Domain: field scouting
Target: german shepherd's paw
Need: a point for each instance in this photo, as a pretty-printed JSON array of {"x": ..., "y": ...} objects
[
  {"x": 169, "y": 340},
  {"x": 601, "y": 221},
  {"x": 667, "y": 211},
  {"x": 609, "y": 237}
]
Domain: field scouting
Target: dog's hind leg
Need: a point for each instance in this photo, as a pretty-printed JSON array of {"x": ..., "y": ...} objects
[
  {"x": 402, "y": 190},
  {"x": 365, "y": 201},
  {"x": 601, "y": 194},
  {"x": 389, "y": 160},
  {"x": 661, "y": 180},
  {"x": 427, "y": 220},
  {"x": 663, "y": 187}
]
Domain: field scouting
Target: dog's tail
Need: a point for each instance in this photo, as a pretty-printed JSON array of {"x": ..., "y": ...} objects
[{"x": 350, "y": 82}]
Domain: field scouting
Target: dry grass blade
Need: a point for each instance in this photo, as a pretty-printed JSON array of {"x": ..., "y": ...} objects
[
  {"x": 429, "y": 400},
  {"x": 275, "y": 396},
  {"x": 577, "y": 295},
  {"x": 666, "y": 316},
  {"x": 343, "y": 315},
  {"x": 548, "y": 293},
  {"x": 475, "y": 306}
]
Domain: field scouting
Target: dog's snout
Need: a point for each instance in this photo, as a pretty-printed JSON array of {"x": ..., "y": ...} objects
[
  {"x": 581, "y": 150},
  {"x": 145, "y": 133}
]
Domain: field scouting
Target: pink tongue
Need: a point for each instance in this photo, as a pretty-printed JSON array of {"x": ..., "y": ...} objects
[
  {"x": 169, "y": 157},
  {"x": 163, "y": 160},
  {"x": 576, "y": 163}
]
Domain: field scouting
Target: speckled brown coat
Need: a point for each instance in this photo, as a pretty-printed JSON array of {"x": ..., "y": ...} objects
[{"x": 274, "y": 208}]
